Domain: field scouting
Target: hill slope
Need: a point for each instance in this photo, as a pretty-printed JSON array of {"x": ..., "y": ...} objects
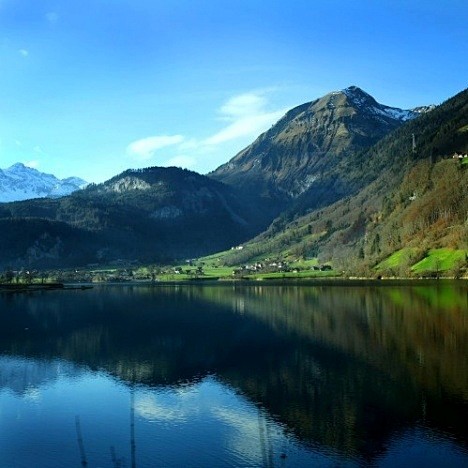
[
  {"x": 152, "y": 215},
  {"x": 411, "y": 199},
  {"x": 302, "y": 152}
]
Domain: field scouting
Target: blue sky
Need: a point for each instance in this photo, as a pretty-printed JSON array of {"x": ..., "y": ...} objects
[{"x": 93, "y": 87}]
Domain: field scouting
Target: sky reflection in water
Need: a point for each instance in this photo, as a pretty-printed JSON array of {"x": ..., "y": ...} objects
[
  {"x": 202, "y": 424},
  {"x": 221, "y": 376}
]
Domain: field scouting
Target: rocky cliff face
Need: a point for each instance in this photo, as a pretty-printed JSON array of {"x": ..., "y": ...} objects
[
  {"x": 410, "y": 200},
  {"x": 297, "y": 152},
  {"x": 315, "y": 155},
  {"x": 149, "y": 215}
]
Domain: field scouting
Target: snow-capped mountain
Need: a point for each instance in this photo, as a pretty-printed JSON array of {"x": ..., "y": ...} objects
[
  {"x": 364, "y": 101},
  {"x": 303, "y": 149},
  {"x": 20, "y": 182}
]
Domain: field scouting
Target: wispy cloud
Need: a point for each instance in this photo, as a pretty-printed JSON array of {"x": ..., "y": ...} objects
[
  {"x": 243, "y": 117},
  {"x": 33, "y": 164},
  {"x": 247, "y": 115},
  {"x": 23, "y": 52},
  {"x": 244, "y": 127},
  {"x": 189, "y": 144},
  {"x": 243, "y": 105},
  {"x": 146, "y": 148}
]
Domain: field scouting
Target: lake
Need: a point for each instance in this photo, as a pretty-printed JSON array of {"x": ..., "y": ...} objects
[{"x": 233, "y": 375}]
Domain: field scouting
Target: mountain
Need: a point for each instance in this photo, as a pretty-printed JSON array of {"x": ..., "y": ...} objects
[
  {"x": 350, "y": 180},
  {"x": 303, "y": 150},
  {"x": 20, "y": 182},
  {"x": 423, "y": 109},
  {"x": 153, "y": 214},
  {"x": 412, "y": 200}
]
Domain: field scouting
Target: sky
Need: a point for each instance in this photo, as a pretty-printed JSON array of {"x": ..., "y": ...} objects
[{"x": 90, "y": 88}]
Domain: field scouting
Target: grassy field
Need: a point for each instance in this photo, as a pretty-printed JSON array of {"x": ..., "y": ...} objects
[
  {"x": 407, "y": 262},
  {"x": 396, "y": 259},
  {"x": 291, "y": 275},
  {"x": 444, "y": 261},
  {"x": 435, "y": 261},
  {"x": 440, "y": 260}
]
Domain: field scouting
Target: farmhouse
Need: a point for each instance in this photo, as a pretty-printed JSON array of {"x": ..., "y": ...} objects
[{"x": 459, "y": 155}]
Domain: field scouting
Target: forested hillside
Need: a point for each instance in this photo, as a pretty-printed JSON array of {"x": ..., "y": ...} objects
[
  {"x": 155, "y": 214},
  {"x": 414, "y": 199},
  {"x": 363, "y": 209}
]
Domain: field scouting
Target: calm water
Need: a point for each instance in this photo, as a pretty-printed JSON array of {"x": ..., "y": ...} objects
[{"x": 213, "y": 376}]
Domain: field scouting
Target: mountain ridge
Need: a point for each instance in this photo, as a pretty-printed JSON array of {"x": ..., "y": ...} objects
[
  {"x": 152, "y": 214},
  {"x": 413, "y": 200},
  {"x": 20, "y": 182},
  {"x": 301, "y": 149},
  {"x": 162, "y": 214}
]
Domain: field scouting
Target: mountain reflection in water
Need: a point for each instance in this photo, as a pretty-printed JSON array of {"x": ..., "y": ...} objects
[{"x": 295, "y": 374}]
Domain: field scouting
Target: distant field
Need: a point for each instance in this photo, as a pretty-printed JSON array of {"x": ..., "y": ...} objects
[
  {"x": 440, "y": 260},
  {"x": 436, "y": 260},
  {"x": 396, "y": 259},
  {"x": 299, "y": 274}
]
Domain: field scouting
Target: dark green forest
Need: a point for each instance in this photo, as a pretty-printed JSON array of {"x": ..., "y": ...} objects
[
  {"x": 150, "y": 215},
  {"x": 401, "y": 198},
  {"x": 363, "y": 202}
]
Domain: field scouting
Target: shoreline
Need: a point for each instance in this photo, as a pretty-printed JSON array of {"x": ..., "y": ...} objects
[
  {"x": 286, "y": 282},
  {"x": 7, "y": 287},
  {"x": 333, "y": 282}
]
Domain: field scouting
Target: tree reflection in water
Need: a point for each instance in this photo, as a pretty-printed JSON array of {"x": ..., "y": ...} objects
[{"x": 348, "y": 368}]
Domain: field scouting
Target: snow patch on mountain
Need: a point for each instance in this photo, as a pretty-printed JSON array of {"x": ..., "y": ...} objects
[
  {"x": 424, "y": 109},
  {"x": 20, "y": 182},
  {"x": 394, "y": 113},
  {"x": 363, "y": 100}
]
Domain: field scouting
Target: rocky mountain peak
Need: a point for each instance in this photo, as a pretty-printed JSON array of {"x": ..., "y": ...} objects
[
  {"x": 311, "y": 139},
  {"x": 367, "y": 103},
  {"x": 17, "y": 166},
  {"x": 356, "y": 91},
  {"x": 358, "y": 97}
]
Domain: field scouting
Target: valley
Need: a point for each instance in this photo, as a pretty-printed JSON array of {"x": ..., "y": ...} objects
[{"x": 341, "y": 186}]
